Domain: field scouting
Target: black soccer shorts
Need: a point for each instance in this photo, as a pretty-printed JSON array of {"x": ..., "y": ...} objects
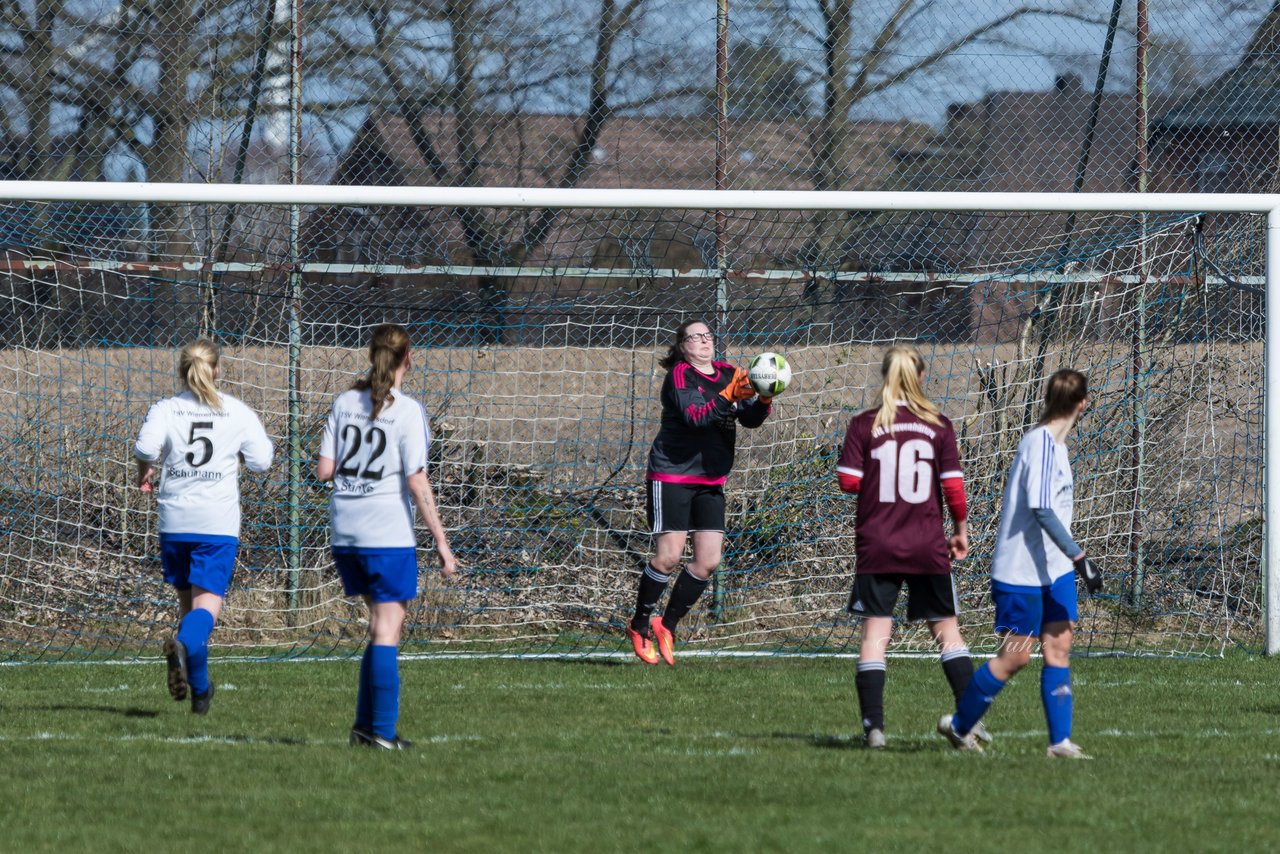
[
  {"x": 684, "y": 507},
  {"x": 929, "y": 597}
]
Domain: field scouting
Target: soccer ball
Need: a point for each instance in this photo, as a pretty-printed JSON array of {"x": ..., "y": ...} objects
[{"x": 769, "y": 374}]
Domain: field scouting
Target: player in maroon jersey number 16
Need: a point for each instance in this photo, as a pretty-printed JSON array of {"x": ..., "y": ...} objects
[{"x": 900, "y": 458}]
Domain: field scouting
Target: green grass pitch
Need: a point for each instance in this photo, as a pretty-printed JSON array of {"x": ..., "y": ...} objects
[{"x": 611, "y": 755}]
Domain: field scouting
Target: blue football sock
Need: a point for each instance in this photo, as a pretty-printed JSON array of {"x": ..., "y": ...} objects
[
  {"x": 364, "y": 696},
  {"x": 193, "y": 633},
  {"x": 976, "y": 699},
  {"x": 384, "y": 690},
  {"x": 1055, "y": 693}
]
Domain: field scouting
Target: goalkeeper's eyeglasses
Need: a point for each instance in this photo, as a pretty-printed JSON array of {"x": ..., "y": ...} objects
[{"x": 700, "y": 336}]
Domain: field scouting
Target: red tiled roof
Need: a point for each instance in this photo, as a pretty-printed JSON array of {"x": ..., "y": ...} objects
[{"x": 631, "y": 152}]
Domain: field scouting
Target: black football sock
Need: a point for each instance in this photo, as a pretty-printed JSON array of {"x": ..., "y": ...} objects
[
  {"x": 652, "y": 583},
  {"x": 958, "y": 667},
  {"x": 870, "y": 684},
  {"x": 683, "y": 597}
]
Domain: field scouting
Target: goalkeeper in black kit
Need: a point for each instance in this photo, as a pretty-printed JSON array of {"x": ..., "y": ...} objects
[{"x": 703, "y": 401}]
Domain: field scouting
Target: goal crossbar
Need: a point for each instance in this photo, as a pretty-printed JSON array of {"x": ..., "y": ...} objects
[{"x": 649, "y": 199}]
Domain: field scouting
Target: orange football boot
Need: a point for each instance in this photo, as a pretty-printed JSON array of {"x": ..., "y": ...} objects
[
  {"x": 643, "y": 647},
  {"x": 665, "y": 640}
]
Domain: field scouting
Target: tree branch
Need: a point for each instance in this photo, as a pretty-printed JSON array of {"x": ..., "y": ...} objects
[
  {"x": 956, "y": 44},
  {"x": 875, "y": 55},
  {"x": 612, "y": 21}
]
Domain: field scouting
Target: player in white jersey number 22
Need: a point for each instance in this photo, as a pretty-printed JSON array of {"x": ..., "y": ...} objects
[{"x": 374, "y": 450}]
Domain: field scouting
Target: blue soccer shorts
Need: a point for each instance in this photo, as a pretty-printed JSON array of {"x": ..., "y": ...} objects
[
  {"x": 383, "y": 575},
  {"x": 1027, "y": 610},
  {"x": 202, "y": 560}
]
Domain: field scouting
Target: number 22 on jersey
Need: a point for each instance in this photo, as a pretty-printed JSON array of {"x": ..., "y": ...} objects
[
  {"x": 906, "y": 472},
  {"x": 360, "y": 452}
]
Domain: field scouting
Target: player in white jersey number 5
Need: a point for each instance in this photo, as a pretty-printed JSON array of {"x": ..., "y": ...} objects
[
  {"x": 196, "y": 441},
  {"x": 1032, "y": 581},
  {"x": 374, "y": 449}
]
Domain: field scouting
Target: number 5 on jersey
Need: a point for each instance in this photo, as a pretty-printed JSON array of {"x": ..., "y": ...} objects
[
  {"x": 205, "y": 443},
  {"x": 905, "y": 472}
]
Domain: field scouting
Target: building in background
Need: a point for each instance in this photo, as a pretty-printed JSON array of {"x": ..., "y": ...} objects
[{"x": 1224, "y": 137}]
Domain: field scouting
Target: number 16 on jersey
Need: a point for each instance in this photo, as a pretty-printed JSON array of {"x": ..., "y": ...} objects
[{"x": 906, "y": 471}]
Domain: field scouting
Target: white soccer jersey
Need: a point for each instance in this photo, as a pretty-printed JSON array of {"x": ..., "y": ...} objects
[
  {"x": 371, "y": 506},
  {"x": 197, "y": 450},
  {"x": 1040, "y": 477}
]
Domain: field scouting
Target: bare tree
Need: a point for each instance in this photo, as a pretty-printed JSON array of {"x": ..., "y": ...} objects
[
  {"x": 54, "y": 117},
  {"x": 869, "y": 49},
  {"x": 856, "y": 53},
  {"x": 764, "y": 83},
  {"x": 488, "y": 71},
  {"x": 86, "y": 83}
]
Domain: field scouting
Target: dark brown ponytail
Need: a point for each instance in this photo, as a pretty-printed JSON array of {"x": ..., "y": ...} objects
[
  {"x": 388, "y": 347},
  {"x": 1063, "y": 393}
]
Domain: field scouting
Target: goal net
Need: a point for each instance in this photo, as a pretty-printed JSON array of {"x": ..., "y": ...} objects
[{"x": 539, "y": 333}]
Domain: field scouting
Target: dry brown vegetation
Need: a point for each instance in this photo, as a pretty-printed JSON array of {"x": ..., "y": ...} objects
[{"x": 538, "y": 463}]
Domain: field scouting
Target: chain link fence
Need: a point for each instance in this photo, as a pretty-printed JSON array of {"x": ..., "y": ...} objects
[
  {"x": 768, "y": 94},
  {"x": 542, "y": 325},
  {"x": 1067, "y": 95}
]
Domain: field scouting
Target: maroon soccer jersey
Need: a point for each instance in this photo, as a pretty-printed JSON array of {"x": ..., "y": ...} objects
[{"x": 899, "y": 527}]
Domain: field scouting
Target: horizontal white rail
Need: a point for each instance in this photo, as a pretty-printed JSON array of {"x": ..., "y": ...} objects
[
  {"x": 515, "y": 197},
  {"x": 334, "y": 268}
]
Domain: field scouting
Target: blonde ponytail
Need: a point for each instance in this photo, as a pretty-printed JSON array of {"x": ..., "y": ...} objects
[
  {"x": 901, "y": 370},
  {"x": 388, "y": 347},
  {"x": 197, "y": 364}
]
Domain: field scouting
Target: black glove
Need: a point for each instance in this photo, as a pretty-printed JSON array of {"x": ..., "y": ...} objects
[{"x": 1089, "y": 573}]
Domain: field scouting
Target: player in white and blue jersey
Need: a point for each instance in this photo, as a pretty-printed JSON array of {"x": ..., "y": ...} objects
[
  {"x": 1032, "y": 581},
  {"x": 374, "y": 449},
  {"x": 196, "y": 441}
]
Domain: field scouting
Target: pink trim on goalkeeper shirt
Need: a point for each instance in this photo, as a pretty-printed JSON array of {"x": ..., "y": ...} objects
[{"x": 694, "y": 479}]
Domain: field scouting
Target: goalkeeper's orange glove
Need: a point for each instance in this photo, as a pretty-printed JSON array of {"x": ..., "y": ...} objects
[{"x": 739, "y": 388}]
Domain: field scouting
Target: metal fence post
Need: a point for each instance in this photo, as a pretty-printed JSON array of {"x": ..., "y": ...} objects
[{"x": 1271, "y": 441}]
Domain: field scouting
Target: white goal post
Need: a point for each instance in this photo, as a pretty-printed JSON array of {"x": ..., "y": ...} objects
[{"x": 706, "y": 200}]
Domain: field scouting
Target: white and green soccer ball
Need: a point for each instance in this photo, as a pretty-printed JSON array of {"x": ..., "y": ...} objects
[{"x": 769, "y": 374}]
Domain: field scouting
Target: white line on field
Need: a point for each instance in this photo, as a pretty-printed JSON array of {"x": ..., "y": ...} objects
[
  {"x": 709, "y": 754},
  {"x": 249, "y": 741},
  {"x": 552, "y": 686},
  {"x": 482, "y": 656},
  {"x": 213, "y": 739}
]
